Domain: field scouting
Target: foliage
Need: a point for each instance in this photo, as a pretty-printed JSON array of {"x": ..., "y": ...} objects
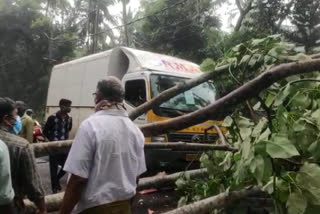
[
  {"x": 24, "y": 62},
  {"x": 180, "y": 30},
  {"x": 282, "y": 154},
  {"x": 251, "y": 58},
  {"x": 306, "y": 18}
]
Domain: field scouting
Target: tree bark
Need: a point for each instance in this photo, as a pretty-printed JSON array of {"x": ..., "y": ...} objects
[
  {"x": 53, "y": 202},
  {"x": 246, "y": 91},
  {"x": 219, "y": 201},
  {"x": 63, "y": 147},
  {"x": 171, "y": 92}
]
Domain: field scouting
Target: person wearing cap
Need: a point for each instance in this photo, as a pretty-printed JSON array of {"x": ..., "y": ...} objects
[{"x": 27, "y": 122}]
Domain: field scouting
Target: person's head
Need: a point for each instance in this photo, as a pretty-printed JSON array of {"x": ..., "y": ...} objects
[
  {"x": 8, "y": 113},
  {"x": 21, "y": 106},
  {"x": 109, "y": 89},
  {"x": 29, "y": 112},
  {"x": 65, "y": 106}
]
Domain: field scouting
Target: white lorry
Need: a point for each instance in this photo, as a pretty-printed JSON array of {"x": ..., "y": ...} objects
[{"x": 144, "y": 75}]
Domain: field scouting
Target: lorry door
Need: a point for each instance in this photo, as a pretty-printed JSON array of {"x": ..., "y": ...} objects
[{"x": 136, "y": 93}]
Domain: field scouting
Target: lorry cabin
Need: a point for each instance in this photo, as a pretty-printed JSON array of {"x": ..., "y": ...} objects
[{"x": 144, "y": 75}]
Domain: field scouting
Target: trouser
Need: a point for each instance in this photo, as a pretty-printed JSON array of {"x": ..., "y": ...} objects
[
  {"x": 55, "y": 161},
  {"x": 117, "y": 207}
]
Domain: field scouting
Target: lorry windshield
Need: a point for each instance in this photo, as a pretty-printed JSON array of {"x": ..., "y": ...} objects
[{"x": 191, "y": 100}]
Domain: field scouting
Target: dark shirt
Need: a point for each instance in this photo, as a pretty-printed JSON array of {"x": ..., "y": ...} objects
[
  {"x": 25, "y": 178},
  {"x": 57, "y": 128}
]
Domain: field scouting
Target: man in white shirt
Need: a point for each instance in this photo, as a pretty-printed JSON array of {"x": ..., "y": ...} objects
[
  {"x": 6, "y": 190},
  {"x": 106, "y": 157}
]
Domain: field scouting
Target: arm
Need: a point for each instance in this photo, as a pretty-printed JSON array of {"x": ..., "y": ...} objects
[
  {"x": 33, "y": 185},
  {"x": 29, "y": 130},
  {"x": 6, "y": 190},
  {"x": 70, "y": 125},
  {"x": 78, "y": 164},
  {"x": 48, "y": 126},
  {"x": 72, "y": 194}
]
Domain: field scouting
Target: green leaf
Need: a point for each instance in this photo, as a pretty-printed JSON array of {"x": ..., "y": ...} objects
[
  {"x": 257, "y": 168},
  {"x": 244, "y": 122},
  {"x": 282, "y": 96},
  {"x": 208, "y": 65},
  {"x": 259, "y": 127},
  {"x": 227, "y": 121},
  {"x": 180, "y": 182},
  {"x": 297, "y": 203},
  {"x": 316, "y": 115},
  {"x": 245, "y": 132},
  {"x": 314, "y": 149},
  {"x": 245, "y": 59},
  {"x": 261, "y": 148},
  {"x": 308, "y": 179},
  {"x": 265, "y": 135},
  {"x": 256, "y": 42},
  {"x": 280, "y": 147},
  {"x": 298, "y": 57},
  {"x": 246, "y": 148},
  {"x": 270, "y": 99},
  {"x": 182, "y": 201},
  {"x": 254, "y": 59},
  {"x": 301, "y": 100}
]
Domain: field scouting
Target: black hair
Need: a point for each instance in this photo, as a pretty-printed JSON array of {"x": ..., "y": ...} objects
[
  {"x": 65, "y": 102},
  {"x": 21, "y": 106},
  {"x": 111, "y": 89},
  {"x": 7, "y": 106}
]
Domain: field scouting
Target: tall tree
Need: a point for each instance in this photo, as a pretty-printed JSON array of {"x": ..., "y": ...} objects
[
  {"x": 178, "y": 29},
  {"x": 24, "y": 63},
  {"x": 94, "y": 18},
  {"x": 306, "y": 19}
]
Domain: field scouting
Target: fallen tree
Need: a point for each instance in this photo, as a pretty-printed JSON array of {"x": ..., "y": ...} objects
[
  {"x": 63, "y": 147},
  {"x": 245, "y": 92},
  {"x": 219, "y": 201},
  {"x": 179, "y": 88},
  {"x": 53, "y": 202}
]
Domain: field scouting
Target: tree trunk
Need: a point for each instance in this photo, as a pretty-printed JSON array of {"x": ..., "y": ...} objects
[
  {"x": 63, "y": 147},
  {"x": 243, "y": 13},
  {"x": 125, "y": 21},
  {"x": 246, "y": 91},
  {"x": 179, "y": 88},
  {"x": 219, "y": 201},
  {"x": 53, "y": 202}
]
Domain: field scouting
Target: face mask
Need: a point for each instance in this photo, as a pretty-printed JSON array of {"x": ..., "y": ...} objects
[{"x": 17, "y": 126}]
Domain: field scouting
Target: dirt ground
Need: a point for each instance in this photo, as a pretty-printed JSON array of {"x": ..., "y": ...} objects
[{"x": 156, "y": 202}]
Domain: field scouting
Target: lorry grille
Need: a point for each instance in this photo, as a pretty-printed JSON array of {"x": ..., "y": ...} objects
[{"x": 191, "y": 138}]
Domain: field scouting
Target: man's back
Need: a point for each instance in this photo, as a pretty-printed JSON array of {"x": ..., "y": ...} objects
[
  {"x": 27, "y": 128},
  {"x": 25, "y": 178},
  {"x": 108, "y": 151}
]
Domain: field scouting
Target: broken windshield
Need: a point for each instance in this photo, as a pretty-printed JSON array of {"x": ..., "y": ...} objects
[{"x": 191, "y": 100}]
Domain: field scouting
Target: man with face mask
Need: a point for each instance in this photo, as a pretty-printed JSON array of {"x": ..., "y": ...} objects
[
  {"x": 25, "y": 177},
  {"x": 57, "y": 128}
]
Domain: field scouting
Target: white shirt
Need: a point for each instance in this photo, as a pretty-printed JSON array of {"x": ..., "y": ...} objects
[
  {"x": 6, "y": 190},
  {"x": 108, "y": 150}
]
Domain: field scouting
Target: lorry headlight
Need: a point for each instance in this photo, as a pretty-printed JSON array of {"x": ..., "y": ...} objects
[{"x": 158, "y": 139}]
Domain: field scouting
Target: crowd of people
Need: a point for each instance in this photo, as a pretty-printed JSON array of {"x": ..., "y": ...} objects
[{"x": 104, "y": 162}]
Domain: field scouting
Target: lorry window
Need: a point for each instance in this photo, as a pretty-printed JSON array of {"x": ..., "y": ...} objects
[
  {"x": 191, "y": 100},
  {"x": 135, "y": 92}
]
